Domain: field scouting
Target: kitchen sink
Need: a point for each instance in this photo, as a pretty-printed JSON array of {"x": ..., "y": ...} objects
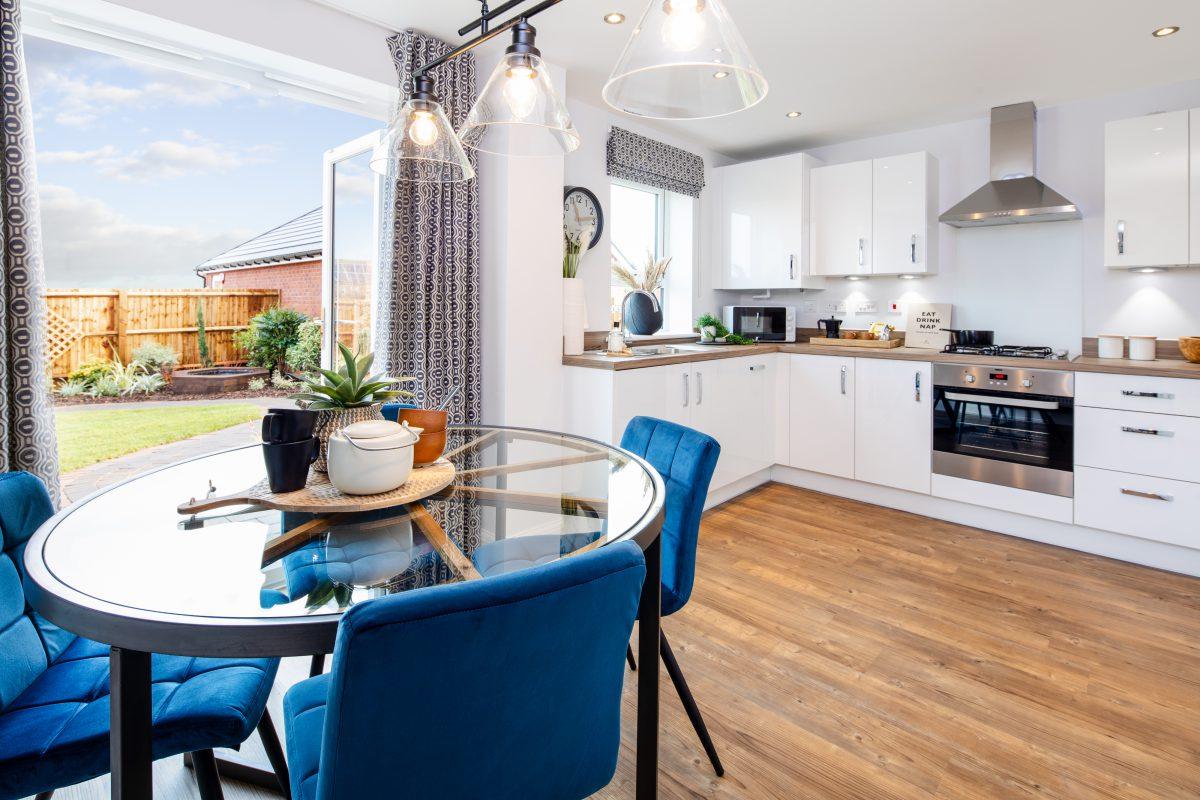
[{"x": 655, "y": 350}]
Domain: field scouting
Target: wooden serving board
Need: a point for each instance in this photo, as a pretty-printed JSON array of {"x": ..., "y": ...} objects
[
  {"x": 320, "y": 496},
  {"x": 878, "y": 343}
]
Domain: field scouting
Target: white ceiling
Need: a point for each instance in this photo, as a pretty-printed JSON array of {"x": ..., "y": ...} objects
[{"x": 858, "y": 68}]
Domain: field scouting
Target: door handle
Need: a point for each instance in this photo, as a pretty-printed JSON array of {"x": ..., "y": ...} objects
[
  {"x": 1146, "y": 431},
  {"x": 1157, "y": 395},
  {"x": 862, "y": 250},
  {"x": 792, "y": 266},
  {"x": 843, "y": 380},
  {"x": 1166, "y": 498},
  {"x": 699, "y": 388},
  {"x": 917, "y": 382},
  {"x": 1121, "y": 237},
  {"x": 912, "y": 249},
  {"x": 686, "y": 391}
]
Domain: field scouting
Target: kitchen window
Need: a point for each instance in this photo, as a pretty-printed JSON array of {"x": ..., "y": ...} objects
[{"x": 647, "y": 224}]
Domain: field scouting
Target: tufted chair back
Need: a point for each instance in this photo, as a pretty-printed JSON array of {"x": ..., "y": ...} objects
[
  {"x": 686, "y": 459},
  {"x": 27, "y": 642}
]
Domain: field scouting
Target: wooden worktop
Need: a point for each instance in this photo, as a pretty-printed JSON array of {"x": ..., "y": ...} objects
[{"x": 1163, "y": 368}]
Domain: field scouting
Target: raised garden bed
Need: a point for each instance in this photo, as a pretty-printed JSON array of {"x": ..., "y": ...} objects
[{"x": 215, "y": 380}]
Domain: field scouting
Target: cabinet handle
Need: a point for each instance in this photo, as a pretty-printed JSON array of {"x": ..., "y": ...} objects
[
  {"x": 912, "y": 249},
  {"x": 757, "y": 367},
  {"x": 686, "y": 391},
  {"x": 1121, "y": 237},
  {"x": 699, "y": 388},
  {"x": 1146, "y": 431},
  {"x": 1157, "y": 395},
  {"x": 792, "y": 266},
  {"x": 862, "y": 249},
  {"x": 917, "y": 383},
  {"x": 1166, "y": 498},
  {"x": 843, "y": 380}
]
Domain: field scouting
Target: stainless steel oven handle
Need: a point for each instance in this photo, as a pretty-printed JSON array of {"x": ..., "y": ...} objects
[
  {"x": 1041, "y": 405},
  {"x": 1146, "y": 431},
  {"x": 1166, "y": 498}
]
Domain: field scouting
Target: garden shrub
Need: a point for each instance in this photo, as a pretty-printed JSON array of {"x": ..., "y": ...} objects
[
  {"x": 305, "y": 354},
  {"x": 155, "y": 356},
  {"x": 269, "y": 336}
]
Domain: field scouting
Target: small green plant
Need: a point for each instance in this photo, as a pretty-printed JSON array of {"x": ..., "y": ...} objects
[
  {"x": 710, "y": 321},
  {"x": 90, "y": 372},
  {"x": 144, "y": 384},
  {"x": 351, "y": 386},
  {"x": 270, "y": 335},
  {"x": 106, "y": 386},
  {"x": 305, "y": 354},
  {"x": 257, "y": 384},
  {"x": 155, "y": 356},
  {"x": 283, "y": 382},
  {"x": 71, "y": 388},
  {"x": 202, "y": 336},
  {"x": 573, "y": 249}
]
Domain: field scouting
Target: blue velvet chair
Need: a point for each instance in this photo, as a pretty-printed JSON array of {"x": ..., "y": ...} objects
[
  {"x": 506, "y": 687},
  {"x": 54, "y": 703},
  {"x": 686, "y": 459}
]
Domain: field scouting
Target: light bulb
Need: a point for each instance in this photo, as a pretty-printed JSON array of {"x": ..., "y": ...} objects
[
  {"x": 520, "y": 90},
  {"x": 684, "y": 28},
  {"x": 423, "y": 129}
]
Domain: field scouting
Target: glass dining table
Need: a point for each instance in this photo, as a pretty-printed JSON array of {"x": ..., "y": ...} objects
[{"x": 126, "y": 568}]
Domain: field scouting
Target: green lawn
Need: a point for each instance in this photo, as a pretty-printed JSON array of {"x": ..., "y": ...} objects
[{"x": 85, "y": 437}]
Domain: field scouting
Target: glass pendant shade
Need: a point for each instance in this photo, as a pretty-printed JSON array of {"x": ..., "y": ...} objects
[
  {"x": 685, "y": 60},
  {"x": 420, "y": 146},
  {"x": 519, "y": 113}
]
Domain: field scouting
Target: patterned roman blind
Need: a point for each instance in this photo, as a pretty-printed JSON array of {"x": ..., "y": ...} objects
[{"x": 644, "y": 160}]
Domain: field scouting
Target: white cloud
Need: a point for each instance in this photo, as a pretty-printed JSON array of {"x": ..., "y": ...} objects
[
  {"x": 169, "y": 159},
  {"x": 75, "y": 156},
  {"x": 89, "y": 244},
  {"x": 79, "y": 102}
]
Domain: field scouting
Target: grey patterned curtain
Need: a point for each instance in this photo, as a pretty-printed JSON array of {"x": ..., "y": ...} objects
[
  {"x": 27, "y": 439},
  {"x": 429, "y": 292},
  {"x": 650, "y": 162}
]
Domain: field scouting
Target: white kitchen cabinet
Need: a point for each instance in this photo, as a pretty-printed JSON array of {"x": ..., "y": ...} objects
[
  {"x": 661, "y": 392},
  {"x": 842, "y": 214},
  {"x": 1160, "y": 445},
  {"x": 1147, "y": 179},
  {"x": 1138, "y": 505},
  {"x": 764, "y": 222},
  {"x": 904, "y": 215},
  {"x": 822, "y": 414},
  {"x": 893, "y": 423},
  {"x": 1195, "y": 184}
]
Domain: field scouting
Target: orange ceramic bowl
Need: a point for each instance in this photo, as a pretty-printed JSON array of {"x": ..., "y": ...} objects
[
  {"x": 1190, "y": 347},
  {"x": 433, "y": 433}
]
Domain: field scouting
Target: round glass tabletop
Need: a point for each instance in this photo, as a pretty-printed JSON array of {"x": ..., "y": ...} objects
[{"x": 520, "y": 498}]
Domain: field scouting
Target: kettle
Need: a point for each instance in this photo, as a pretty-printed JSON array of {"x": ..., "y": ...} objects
[{"x": 832, "y": 327}]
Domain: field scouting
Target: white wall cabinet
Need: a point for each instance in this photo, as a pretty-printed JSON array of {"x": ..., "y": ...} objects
[
  {"x": 841, "y": 219},
  {"x": 1147, "y": 189},
  {"x": 764, "y": 223},
  {"x": 893, "y": 423},
  {"x": 822, "y": 414},
  {"x": 875, "y": 217}
]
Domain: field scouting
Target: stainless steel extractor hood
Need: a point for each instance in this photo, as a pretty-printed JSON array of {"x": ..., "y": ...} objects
[{"x": 1014, "y": 194}]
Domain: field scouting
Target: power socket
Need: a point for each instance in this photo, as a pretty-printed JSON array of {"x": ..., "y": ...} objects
[
  {"x": 839, "y": 308},
  {"x": 867, "y": 307},
  {"x": 809, "y": 307}
]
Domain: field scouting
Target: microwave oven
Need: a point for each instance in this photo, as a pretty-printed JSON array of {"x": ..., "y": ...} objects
[{"x": 764, "y": 323}]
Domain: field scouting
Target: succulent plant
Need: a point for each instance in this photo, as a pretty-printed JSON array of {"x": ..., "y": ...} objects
[{"x": 351, "y": 386}]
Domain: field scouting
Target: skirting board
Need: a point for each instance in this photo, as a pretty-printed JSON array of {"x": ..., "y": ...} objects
[{"x": 1088, "y": 540}]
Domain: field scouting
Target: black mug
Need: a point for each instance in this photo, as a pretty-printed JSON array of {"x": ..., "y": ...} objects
[
  {"x": 283, "y": 425},
  {"x": 831, "y": 327},
  {"x": 288, "y": 463}
]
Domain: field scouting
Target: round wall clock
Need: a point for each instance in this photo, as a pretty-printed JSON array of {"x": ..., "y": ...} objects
[{"x": 582, "y": 209}]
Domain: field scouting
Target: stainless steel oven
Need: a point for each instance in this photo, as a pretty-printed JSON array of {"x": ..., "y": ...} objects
[
  {"x": 1005, "y": 425},
  {"x": 764, "y": 323}
]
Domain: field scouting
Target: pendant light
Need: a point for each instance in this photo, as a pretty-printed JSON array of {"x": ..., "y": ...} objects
[
  {"x": 419, "y": 144},
  {"x": 685, "y": 60},
  {"x": 519, "y": 113}
]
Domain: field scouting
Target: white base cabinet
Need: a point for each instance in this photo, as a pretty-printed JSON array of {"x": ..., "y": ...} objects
[
  {"x": 893, "y": 423},
  {"x": 822, "y": 414}
]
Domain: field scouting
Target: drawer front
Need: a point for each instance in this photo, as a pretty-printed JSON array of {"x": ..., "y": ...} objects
[
  {"x": 1161, "y": 445},
  {"x": 1149, "y": 508},
  {"x": 1138, "y": 393}
]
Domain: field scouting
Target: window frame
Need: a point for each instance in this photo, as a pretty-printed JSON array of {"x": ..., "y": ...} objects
[{"x": 661, "y": 229}]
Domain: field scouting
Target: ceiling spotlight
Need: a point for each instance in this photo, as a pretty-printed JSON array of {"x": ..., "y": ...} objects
[
  {"x": 793, "y": 114},
  {"x": 615, "y": 18},
  {"x": 1165, "y": 31},
  {"x": 720, "y": 74}
]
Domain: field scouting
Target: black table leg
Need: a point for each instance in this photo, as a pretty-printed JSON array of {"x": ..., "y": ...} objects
[
  {"x": 649, "y": 631},
  {"x": 131, "y": 725}
]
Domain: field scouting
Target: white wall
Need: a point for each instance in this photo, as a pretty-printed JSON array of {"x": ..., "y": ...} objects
[{"x": 1032, "y": 284}]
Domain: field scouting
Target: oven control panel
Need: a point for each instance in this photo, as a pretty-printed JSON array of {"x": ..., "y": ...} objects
[{"x": 1050, "y": 382}]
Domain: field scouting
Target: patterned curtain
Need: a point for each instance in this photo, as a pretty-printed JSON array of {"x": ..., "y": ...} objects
[
  {"x": 429, "y": 323},
  {"x": 650, "y": 162},
  {"x": 27, "y": 438}
]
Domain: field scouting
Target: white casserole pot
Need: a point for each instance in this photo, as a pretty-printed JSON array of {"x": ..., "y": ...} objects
[{"x": 371, "y": 457}]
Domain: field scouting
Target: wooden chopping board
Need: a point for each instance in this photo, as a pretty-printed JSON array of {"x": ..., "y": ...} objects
[
  {"x": 321, "y": 497},
  {"x": 877, "y": 343}
]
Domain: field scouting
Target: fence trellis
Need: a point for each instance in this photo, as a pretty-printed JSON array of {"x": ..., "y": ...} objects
[{"x": 84, "y": 324}]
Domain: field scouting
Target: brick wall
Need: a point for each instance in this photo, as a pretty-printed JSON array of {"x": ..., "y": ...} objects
[{"x": 299, "y": 284}]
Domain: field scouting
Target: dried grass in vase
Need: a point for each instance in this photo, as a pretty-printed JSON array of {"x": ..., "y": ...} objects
[{"x": 648, "y": 280}]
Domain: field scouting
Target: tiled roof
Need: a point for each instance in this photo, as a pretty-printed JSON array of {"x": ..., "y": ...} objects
[{"x": 298, "y": 239}]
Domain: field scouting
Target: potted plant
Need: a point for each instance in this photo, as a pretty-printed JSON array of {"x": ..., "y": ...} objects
[
  {"x": 350, "y": 394},
  {"x": 645, "y": 315}
]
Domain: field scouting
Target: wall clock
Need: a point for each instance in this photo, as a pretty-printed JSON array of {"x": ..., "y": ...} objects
[{"x": 581, "y": 209}]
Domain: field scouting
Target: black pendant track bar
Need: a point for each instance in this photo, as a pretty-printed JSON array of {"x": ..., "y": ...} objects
[{"x": 490, "y": 33}]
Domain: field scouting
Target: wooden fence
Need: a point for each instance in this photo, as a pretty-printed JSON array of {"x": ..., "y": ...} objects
[{"x": 85, "y": 324}]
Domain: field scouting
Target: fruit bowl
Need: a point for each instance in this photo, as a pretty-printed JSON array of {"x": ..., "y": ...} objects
[{"x": 1190, "y": 346}]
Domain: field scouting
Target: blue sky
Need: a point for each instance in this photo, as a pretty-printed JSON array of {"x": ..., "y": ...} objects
[{"x": 145, "y": 173}]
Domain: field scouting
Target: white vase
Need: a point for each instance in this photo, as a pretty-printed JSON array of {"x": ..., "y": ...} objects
[{"x": 574, "y": 316}]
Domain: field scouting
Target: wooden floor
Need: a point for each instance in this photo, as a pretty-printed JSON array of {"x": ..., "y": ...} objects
[{"x": 841, "y": 650}]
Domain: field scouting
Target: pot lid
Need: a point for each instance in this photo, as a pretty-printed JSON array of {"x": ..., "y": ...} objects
[{"x": 372, "y": 429}]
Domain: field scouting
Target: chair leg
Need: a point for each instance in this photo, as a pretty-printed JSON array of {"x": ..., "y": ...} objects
[
  {"x": 629, "y": 658},
  {"x": 317, "y": 666},
  {"x": 208, "y": 780},
  {"x": 270, "y": 742},
  {"x": 689, "y": 704}
]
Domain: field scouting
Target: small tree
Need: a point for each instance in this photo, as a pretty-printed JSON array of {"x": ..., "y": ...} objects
[
  {"x": 269, "y": 336},
  {"x": 202, "y": 337}
]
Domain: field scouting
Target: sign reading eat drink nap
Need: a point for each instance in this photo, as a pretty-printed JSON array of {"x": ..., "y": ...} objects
[{"x": 923, "y": 325}]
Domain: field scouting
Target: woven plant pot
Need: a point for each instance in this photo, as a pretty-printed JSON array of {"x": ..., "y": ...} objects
[{"x": 329, "y": 421}]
